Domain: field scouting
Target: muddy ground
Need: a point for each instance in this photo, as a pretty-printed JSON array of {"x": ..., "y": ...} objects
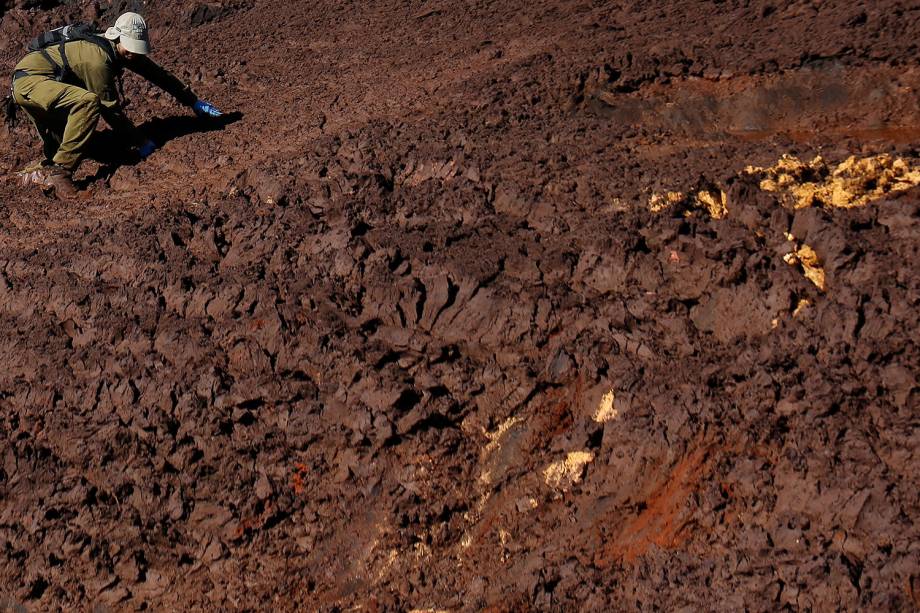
[{"x": 508, "y": 305}]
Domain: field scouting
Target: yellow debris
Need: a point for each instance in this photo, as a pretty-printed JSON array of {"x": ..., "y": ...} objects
[
  {"x": 715, "y": 203},
  {"x": 801, "y": 306},
  {"x": 660, "y": 202},
  {"x": 855, "y": 182},
  {"x": 806, "y": 257},
  {"x": 495, "y": 437},
  {"x": 606, "y": 411},
  {"x": 564, "y": 473}
]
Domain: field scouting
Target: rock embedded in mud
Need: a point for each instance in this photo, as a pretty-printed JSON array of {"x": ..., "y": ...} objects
[
  {"x": 805, "y": 256},
  {"x": 563, "y": 474},
  {"x": 560, "y": 368},
  {"x": 606, "y": 409}
]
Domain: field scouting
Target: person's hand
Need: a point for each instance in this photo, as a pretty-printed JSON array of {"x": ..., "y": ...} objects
[
  {"x": 146, "y": 149},
  {"x": 206, "y": 109}
]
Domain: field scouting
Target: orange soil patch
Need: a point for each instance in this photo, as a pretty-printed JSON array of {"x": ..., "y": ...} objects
[{"x": 662, "y": 520}]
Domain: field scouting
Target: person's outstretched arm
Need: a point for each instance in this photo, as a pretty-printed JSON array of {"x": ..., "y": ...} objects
[{"x": 162, "y": 78}]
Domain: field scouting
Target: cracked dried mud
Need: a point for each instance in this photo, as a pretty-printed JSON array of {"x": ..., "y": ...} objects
[{"x": 490, "y": 305}]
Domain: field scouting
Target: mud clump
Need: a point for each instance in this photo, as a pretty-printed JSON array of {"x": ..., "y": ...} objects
[{"x": 407, "y": 336}]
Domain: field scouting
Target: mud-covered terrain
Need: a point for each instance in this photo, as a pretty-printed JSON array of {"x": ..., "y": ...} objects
[{"x": 507, "y": 305}]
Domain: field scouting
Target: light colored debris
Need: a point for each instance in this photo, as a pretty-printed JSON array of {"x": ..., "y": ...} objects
[
  {"x": 855, "y": 182},
  {"x": 716, "y": 203},
  {"x": 806, "y": 257},
  {"x": 660, "y": 202},
  {"x": 606, "y": 409},
  {"x": 417, "y": 173},
  {"x": 496, "y": 435},
  {"x": 494, "y": 444},
  {"x": 563, "y": 474},
  {"x": 803, "y": 304}
]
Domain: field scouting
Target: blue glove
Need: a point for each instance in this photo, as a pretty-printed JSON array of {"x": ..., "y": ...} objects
[
  {"x": 146, "y": 149},
  {"x": 206, "y": 109}
]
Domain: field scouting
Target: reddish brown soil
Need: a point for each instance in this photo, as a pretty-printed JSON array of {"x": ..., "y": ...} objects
[{"x": 326, "y": 357}]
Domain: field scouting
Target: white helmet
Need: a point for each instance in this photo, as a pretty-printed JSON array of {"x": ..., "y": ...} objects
[{"x": 131, "y": 30}]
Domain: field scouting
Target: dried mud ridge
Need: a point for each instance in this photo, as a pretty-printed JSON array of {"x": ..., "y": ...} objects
[{"x": 521, "y": 354}]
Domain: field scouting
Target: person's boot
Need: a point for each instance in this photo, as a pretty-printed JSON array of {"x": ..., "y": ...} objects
[
  {"x": 60, "y": 181},
  {"x": 52, "y": 178}
]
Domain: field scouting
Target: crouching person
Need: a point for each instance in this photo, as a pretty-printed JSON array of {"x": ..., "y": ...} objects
[{"x": 70, "y": 80}]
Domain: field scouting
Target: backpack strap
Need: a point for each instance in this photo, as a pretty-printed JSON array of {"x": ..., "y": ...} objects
[
  {"x": 58, "y": 70},
  {"x": 66, "y": 71}
]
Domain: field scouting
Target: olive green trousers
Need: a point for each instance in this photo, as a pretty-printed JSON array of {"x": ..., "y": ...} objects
[{"x": 64, "y": 115}]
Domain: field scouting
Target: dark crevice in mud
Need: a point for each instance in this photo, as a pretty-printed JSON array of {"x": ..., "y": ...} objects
[
  {"x": 402, "y": 315},
  {"x": 452, "y": 293},
  {"x": 407, "y": 401},
  {"x": 422, "y": 298},
  {"x": 390, "y": 357},
  {"x": 37, "y": 589},
  {"x": 369, "y": 328},
  {"x": 595, "y": 439},
  {"x": 252, "y": 404},
  {"x": 446, "y": 355},
  {"x": 435, "y": 421},
  {"x": 360, "y": 229}
]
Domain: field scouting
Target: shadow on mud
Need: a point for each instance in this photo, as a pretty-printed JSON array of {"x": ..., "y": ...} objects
[{"x": 111, "y": 153}]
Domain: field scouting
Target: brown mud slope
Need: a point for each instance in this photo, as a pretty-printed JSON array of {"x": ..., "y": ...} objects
[{"x": 508, "y": 305}]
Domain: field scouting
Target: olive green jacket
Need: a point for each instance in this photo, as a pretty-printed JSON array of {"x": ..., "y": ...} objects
[{"x": 93, "y": 70}]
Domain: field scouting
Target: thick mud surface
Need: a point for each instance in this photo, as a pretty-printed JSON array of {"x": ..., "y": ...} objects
[{"x": 507, "y": 305}]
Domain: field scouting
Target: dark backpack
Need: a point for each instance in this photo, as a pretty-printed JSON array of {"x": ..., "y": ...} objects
[{"x": 62, "y": 36}]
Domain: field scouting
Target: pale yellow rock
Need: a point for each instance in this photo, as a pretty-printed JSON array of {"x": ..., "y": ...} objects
[
  {"x": 496, "y": 435},
  {"x": 812, "y": 266},
  {"x": 715, "y": 204},
  {"x": 606, "y": 411},
  {"x": 660, "y": 202},
  {"x": 801, "y": 306},
  {"x": 806, "y": 257},
  {"x": 854, "y": 182},
  {"x": 564, "y": 473}
]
